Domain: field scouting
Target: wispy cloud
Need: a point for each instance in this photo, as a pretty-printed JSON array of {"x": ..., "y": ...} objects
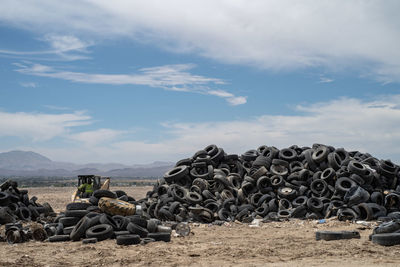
[
  {"x": 28, "y": 84},
  {"x": 169, "y": 77},
  {"x": 62, "y": 47},
  {"x": 323, "y": 79}
]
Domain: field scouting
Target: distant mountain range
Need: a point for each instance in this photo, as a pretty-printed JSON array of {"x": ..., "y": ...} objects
[{"x": 31, "y": 164}]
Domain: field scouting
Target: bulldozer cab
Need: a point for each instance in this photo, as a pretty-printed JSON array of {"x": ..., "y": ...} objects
[
  {"x": 96, "y": 182},
  {"x": 90, "y": 179}
]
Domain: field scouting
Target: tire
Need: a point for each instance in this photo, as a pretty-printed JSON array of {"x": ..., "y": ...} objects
[
  {"x": 89, "y": 240},
  {"x": 59, "y": 238},
  {"x": 4, "y": 199},
  {"x": 356, "y": 167},
  {"x": 116, "y": 207},
  {"x": 68, "y": 230},
  {"x": 139, "y": 220},
  {"x": 333, "y": 235},
  {"x": 117, "y": 233},
  {"x": 121, "y": 221},
  {"x": 176, "y": 174},
  {"x": 128, "y": 239},
  {"x": 106, "y": 219},
  {"x": 69, "y": 221},
  {"x": 152, "y": 225},
  {"x": 166, "y": 237},
  {"x": 138, "y": 230},
  {"x": 76, "y": 213},
  {"x": 315, "y": 204},
  {"x": 388, "y": 239},
  {"x": 120, "y": 193},
  {"x": 24, "y": 213},
  {"x": 387, "y": 227},
  {"x": 94, "y": 200},
  {"x": 287, "y": 193},
  {"x": 147, "y": 240},
  {"x": 78, "y": 205},
  {"x": 194, "y": 198},
  {"x": 80, "y": 229},
  {"x": 344, "y": 184},
  {"x": 320, "y": 154},
  {"x": 104, "y": 193},
  {"x": 100, "y": 231}
]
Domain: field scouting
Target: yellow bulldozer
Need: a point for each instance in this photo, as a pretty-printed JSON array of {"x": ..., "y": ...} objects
[{"x": 97, "y": 182}]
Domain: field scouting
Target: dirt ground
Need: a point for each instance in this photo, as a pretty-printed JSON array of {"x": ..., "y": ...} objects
[{"x": 290, "y": 243}]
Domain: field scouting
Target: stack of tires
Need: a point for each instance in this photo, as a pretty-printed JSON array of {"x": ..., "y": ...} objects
[
  {"x": 295, "y": 182},
  {"x": 108, "y": 215},
  {"x": 16, "y": 205}
]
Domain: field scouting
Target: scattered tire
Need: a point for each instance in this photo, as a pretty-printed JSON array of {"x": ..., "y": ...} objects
[
  {"x": 128, "y": 239},
  {"x": 332, "y": 235},
  {"x": 100, "y": 231}
]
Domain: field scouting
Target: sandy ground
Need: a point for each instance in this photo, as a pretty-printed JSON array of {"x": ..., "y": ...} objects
[{"x": 289, "y": 243}]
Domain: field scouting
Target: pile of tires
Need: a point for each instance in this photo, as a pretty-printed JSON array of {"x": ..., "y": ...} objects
[
  {"x": 276, "y": 184},
  {"x": 108, "y": 215},
  {"x": 15, "y": 205}
]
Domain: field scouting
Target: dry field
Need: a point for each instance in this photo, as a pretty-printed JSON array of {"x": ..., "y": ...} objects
[{"x": 289, "y": 243}]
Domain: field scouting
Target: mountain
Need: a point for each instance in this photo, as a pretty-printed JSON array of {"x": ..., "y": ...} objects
[{"x": 31, "y": 164}]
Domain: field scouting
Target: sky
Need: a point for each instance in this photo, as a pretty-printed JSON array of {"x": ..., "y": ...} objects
[{"x": 141, "y": 81}]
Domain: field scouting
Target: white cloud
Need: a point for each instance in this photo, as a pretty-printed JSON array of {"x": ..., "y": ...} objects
[
  {"x": 39, "y": 126},
  {"x": 169, "y": 77},
  {"x": 66, "y": 47},
  {"x": 90, "y": 138},
  {"x": 369, "y": 126},
  {"x": 275, "y": 35},
  {"x": 28, "y": 84},
  {"x": 323, "y": 79}
]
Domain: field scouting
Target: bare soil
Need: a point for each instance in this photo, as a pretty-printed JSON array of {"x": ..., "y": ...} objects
[{"x": 290, "y": 243}]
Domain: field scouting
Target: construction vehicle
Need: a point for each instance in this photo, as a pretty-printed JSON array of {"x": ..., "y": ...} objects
[{"x": 96, "y": 182}]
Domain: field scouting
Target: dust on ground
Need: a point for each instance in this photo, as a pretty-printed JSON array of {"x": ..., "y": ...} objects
[{"x": 290, "y": 243}]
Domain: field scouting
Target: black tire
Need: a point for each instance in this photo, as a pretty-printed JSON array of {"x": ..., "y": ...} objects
[
  {"x": 80, "y": 229},
  {"x": 315, "y": 204},
  {"x": 139, "y": 220},
  {"x": 387, "y": 227},
  {"x": 287, "y": 193},
  {"x": 59, "y": 238},
  {"x": 78, "y": 206},
  {"x": 100, "y": 231},
  {"x": 176, "y": 174},
  {"x": 128, "y": 239},
  {"x": 388, "y": 239},
  {"x": 76, "y": 213},
  {"x": 344, "y": 184},
  {"x": 320, "y": 154},
  {"x": 24, "y": 213},
  {"x": 67, "y": 230},
  {"x": 356, "y": 167},
  {"x": 89, "y": 240},
  {"x": 94, "y": 200},
  {"x": 194, "y": 198},
  {"x": 152, "y": 225},
  {"x": 336, "y": 235},
  {"x": 106, "y": 219},
  {"x": 138, "y": 230},
  {"x": 120, "y": 193},
  {"x": 166, "y": 237},
  {"x": 4, "y": 199},
  {"x": 117, "y": 233},
  {"x": 121, "y": 222},
  {"x": 104, "y": 193},
  {"x": 69, "y": 221}
]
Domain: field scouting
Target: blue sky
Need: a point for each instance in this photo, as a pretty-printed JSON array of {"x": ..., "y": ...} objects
[{"x": 136, "y": 82}]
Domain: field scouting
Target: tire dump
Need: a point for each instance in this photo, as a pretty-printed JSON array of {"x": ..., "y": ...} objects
[{"x": 213, "y": 187}]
